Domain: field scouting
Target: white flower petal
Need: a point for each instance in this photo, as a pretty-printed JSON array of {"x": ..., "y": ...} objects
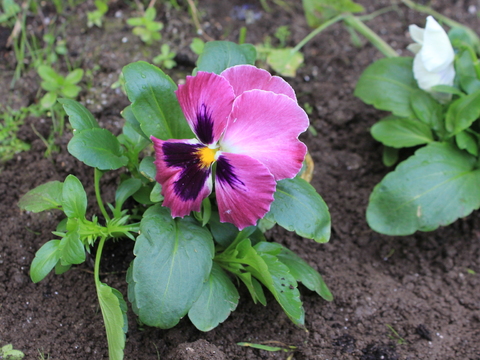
[
  {"x": 416, "y": 33},
  {"x": 437, "y": 51},
  {"x": 414, "y": 48}
]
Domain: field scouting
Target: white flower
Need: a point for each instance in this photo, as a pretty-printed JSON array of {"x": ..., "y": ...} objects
[{"x": 433, "y": 63}]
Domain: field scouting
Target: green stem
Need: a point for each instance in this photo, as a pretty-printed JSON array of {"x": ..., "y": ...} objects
[
  {"x": 317, "y": 31},
  {"x": 98, "y": 255},
  {"x": 97, "y": 175},
  {"x": 371, "y": 36}
]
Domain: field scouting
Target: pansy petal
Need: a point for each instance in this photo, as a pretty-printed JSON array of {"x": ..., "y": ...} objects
[
  {"x": 266, "y": 126},
  {"x": 206, "y": 100},
  {"x": 248, "y": 77},
  {"x": 428, "y": 79},
  {"x": 185, "y": 182},
  {"x": 437, "y": 51},
  {"x": 416, "y": 33},
  {"x": 244, "y": 189}
]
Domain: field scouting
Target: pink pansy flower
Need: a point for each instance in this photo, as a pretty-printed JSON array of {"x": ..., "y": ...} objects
[{"x": 247, "y": 124}]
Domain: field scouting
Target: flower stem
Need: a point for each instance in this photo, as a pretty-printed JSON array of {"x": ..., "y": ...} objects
[
  {"x": 371, "y": 36},
  {"x": 97, "y": 175},
  {"x": 317, "y": 31},
  {"x": 98, "y": 255}
]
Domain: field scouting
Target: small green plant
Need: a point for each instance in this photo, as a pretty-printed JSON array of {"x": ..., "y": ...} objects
[
  {"x": 10, "y": 10},
  {"x": 282, "y": 34},
  {"x": 95, "y": 18},
  {"x": 58, "y": 85},
  {"x": 146, "y": 27},
  {"x": 165, "y": 59},
  {"x": 10, "y": 122},
  {"x": 395, "y": 336},
  {"x": 434, "y": 99},
  {"x": 197, "y": 45},
  {"x": 7, "y": 352}
]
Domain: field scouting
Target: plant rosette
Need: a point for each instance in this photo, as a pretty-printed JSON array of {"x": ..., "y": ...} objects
[
  {"x": 435, "y": 104},
  {"x": 227, "y": 166}
]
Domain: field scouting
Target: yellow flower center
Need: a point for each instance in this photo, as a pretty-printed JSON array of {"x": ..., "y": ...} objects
[{"x": 207, "y": 156}]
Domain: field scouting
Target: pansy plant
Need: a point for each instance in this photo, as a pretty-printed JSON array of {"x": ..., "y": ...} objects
[
  {"x": 227, "y": 165},
  {"x": 435, "y": 104}
]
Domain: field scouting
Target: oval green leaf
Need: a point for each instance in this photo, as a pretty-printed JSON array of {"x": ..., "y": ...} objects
[
  {"x": 463, "y": 112},
  {"x": 45, "y": 260},
  {"x": 173, "y": 260},
  {"x": 74, "y": 198},
  {"x": 114, "y": 312},
  {"x": 154, "y": 103},
  {"x": 298, "y": 207},
  {"x": 399, "y": 132},
  {"x": 432, "y": 188},
  {"x": 386, "y": 77},
  {"x": 44, "y": 197},
  {"x": 97, "y": 148},
  {"x": 219, "y": 297},
  {"x": 79, "y": 116},
  {"x": 220, "y": 55}
]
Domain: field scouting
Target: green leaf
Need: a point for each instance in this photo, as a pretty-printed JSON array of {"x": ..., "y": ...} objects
[
  {"x": 132, "y": 140},
  {"x": 44, "y": 197},
  {"x": 130, "y": 118},
  {"x": 147, "y": 168},
  {"x": 48, "y": 74},
  {"x": 463, "y": 112},
  {"x": 173, "y": 260},
  {"x": 432, "y": 188},
  {"x": 154, "y": 103},
  {"x": 298, "y": 207},
  {"x": 428, "y": 110},
  {"x": 48, "y": 100},
  {"x": 220, "y": 55},
  {"x": 219, "y": 297},
  {"x": 79, "y": 116},
  {"x": 74, "y": 198},
  {"x": 156, "y": 194},
  {"x": 97, "y": 148},
  {"x": 386, "y": 77},
  {"x": 467, "y": 141},
  {"x": 447, "y": 89},
  {"x": 61, "y": 269},
  {"x": 142, "y": 196},
  {"x": 400, "y": 132},
  {"x": 45, "y": 260},
  {"x": 126, "y": 189},
  {"x": 465, "y": 72},
  {"x": 223, "y": 233},
  {"x": 389, "y": 156},
  {"x": 304, "y": 273},
  {"x": 70, "y": 91},
  {"x": 282, "y": 285},
  {"x": 71, "y": 249},
  {"x": 285, "y": 61},
  {"x": 75, "y": 76},
  {"x": 114, "y": 311}
]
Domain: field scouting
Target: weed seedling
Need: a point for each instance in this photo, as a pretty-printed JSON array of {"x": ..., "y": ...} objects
[
  {"x": 7, "y": 352},
  {"x": 165, "y": 59},
  {"x": 96, "y": 17},
  {"x": 146, "y": 27},
  {"x": 58, "y": 85}
]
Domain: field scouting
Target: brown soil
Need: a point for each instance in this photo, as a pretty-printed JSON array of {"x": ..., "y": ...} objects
[{"x": 418, "y": 285}]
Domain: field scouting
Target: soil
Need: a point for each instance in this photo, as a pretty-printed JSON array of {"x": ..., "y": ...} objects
[{"x": 413, "y": 297}]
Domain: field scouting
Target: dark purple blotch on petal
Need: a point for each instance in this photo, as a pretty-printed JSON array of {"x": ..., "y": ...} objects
[
  {"x": 226, "y": 173},
  {"x": 193, "y": 176},
  {"x": 204, "y": 125}
]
